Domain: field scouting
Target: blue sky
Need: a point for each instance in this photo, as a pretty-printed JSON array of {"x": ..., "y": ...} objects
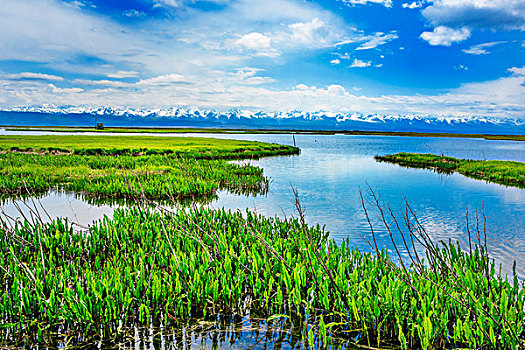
[{"x": 429, "y": 57}]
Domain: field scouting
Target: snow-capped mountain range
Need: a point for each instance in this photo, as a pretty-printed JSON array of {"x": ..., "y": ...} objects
[{"x": 239, "y": 118}]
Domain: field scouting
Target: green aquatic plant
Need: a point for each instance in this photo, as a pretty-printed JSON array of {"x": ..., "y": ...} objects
[
  {"x": 508, "y": 173},
  {"x": 149, "y": 267}
]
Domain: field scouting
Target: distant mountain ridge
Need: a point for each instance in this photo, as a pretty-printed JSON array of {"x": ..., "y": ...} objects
[{"x": 50, "y": 115}]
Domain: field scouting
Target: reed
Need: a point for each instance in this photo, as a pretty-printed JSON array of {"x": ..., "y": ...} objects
[{"x": 507, "y": 173}]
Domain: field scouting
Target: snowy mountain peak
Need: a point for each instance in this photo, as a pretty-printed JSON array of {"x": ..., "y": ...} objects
[{"x": 236, "y": 117}]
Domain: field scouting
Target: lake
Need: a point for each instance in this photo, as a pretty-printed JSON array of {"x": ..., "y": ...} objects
[{"x": 331, "y": 171}]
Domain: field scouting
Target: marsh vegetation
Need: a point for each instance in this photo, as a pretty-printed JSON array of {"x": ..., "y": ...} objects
[
  {"x": 507, "y": 173},
  {"x": 158, "y": 268},
  {"x": 168, "y": 169},
  {"x": 150, "y": 268}
]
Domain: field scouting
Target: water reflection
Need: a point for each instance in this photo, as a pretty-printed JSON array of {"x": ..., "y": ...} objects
[
  {"x": 232, "y": 333},
  {"x": 218, "y": 332}
]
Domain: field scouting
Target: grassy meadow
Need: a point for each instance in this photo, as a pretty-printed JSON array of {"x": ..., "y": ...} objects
[{"x": 507, "y": 173}]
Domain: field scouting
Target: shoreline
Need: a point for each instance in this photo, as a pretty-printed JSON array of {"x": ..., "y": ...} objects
[{"x": 167, "y": 130}]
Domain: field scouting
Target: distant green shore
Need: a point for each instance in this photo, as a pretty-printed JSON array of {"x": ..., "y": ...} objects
[
  {"x": 258, "y": 131},
  {"x": 507, "y": 173}
]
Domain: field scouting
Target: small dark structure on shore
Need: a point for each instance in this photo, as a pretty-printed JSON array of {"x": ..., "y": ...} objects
[{"x": 100, "y": 126}]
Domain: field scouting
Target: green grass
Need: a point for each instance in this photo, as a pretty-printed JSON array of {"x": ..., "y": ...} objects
[
  {"x": 507, "y": 173},
  {"x": 260, "y": 131},
  {"x": 441, "y": 134},
  {"x": 131, "y": 166},
  {"x": 144, "y": 268},
  {"x": 199, "y": 147}
]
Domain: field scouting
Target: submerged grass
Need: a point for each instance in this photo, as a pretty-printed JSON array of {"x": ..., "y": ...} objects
[
  {"x": 145, "y": 268},
  {"x": 508, "y": 173},
  {"x": 162, "y": 168}
]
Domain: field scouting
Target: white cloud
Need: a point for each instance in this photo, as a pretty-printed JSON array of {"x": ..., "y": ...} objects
[
  {"x": 460, "y": 67},
  {"x": 36, "y": 76},
  {"x": 376, "y": 40},
  {"x": 343, "y": 56},
  {"x": 189, "y": 62},
  {"x": 501, "y": 97},
  {"x": 335, "y": 61},
  {"x": 360, "y": 64},
  {"x": 485, "y": 14},
  {"x": 134, "y": 13},
  {"x": 167, "y": 79},
  {"x": 517, "y": 71},
  {"x": 445, "y": 36},
  {"x": 168, "y": 3},
  {"x": 58, "y": 34},
  {"x": 103, "y": 82},
  {"x": 413, "y": 5},
  {"x": 123, "y": 74},
  {"x": 178, "y": 4},
  {"x": 386, "y": 3},
  {"x": 257, "y": 42},
  {"x": 480, "y": 49},
  {"x": 336, "y": 90},
  {"x": 248, "y": 76},
  {"x": 307, "y": 32},
  {"x": 56, "y": 90}
]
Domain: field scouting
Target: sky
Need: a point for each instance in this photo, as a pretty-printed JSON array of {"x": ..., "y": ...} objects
[{"x": 425, "y": 57}]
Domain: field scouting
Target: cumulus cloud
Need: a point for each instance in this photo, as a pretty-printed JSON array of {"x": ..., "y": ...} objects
[
  {"x": 360, "y": 64},
  {"x": 258, "y": 43},
  {"x": 413, "y": 5},
  {"x": 335, "y": 61},
  {"x": 484, "y": 14},
  {"x": 481, "y": 49},
  {"x": 445, "y": 36},
  {"x": 255, "y": 41}
]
